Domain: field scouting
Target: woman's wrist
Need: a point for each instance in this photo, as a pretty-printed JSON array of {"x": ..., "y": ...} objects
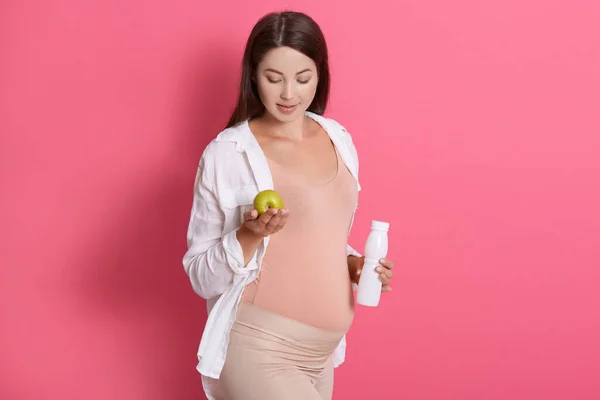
[{"x": 249, "y": 242}]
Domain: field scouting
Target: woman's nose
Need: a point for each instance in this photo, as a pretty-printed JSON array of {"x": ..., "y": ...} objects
[{"x": 288, "y": 91}]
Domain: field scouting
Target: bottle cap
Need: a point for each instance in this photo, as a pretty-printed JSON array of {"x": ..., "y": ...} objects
[{"x": 380, "y": 225}]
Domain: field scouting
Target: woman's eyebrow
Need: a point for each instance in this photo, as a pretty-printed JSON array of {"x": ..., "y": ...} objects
[{"x": 281, "y": 73}]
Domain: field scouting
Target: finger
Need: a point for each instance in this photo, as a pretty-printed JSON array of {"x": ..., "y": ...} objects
[
  {"x": 385, "y": 271},
  {"x": 284, "y": 217},
  {"x": 384, "y": 280},
  {"x": 389, "y": 264},
  {"x": 386, "y": 288},
  {"x": 264, "y": 219},
  {"x": 273, "y": 222},
  {"x": 283, "y": 213},
  {"x": 250, "y": 215}
]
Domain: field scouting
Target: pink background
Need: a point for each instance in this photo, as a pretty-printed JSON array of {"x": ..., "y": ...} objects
[{"x": 478, "y": 129}]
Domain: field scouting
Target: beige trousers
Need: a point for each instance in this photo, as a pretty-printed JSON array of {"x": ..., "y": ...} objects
[{"x": 271, "y": 357}]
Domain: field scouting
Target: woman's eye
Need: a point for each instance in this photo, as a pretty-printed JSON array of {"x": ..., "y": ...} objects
[
  {"x": 303, "y": 82},
  {"x": 273, "y": 80}
]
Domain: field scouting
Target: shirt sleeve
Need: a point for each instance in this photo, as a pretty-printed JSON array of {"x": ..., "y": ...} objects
[
  {"x": 212, "y": 259},
  {"x": 351, "y": 147}
]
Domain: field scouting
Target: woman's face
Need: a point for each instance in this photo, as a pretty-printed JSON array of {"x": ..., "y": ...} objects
[{"x": 287, "y": 83}]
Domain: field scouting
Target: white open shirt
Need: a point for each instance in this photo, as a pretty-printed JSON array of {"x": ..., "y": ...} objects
[{"x": 231, "y": 171}]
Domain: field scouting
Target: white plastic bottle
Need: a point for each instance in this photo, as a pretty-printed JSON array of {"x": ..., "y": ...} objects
[{"x": 376, "y": 247}]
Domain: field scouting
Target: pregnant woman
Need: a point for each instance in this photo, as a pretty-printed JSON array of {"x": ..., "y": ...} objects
[{"x": 278, "y": 285}]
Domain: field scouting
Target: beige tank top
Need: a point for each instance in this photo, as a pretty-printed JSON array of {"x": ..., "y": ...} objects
[{"x": 304, "y": 275}]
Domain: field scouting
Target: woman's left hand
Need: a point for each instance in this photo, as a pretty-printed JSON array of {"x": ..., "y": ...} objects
[{"x": 356, "y": 264}]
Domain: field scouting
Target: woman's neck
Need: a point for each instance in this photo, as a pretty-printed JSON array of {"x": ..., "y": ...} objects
[{"x": 293, "y": 130}]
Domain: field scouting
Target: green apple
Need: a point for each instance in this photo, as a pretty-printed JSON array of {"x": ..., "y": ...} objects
[{"x": 267, "y": 199}]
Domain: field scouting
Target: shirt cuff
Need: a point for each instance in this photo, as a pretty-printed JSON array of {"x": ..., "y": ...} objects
[
  {"x": 351, "y": 252},
  {"x": 234, "y": 252}
]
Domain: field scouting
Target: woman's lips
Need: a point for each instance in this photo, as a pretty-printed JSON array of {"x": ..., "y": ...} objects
[{"x": 286, "y": 109}]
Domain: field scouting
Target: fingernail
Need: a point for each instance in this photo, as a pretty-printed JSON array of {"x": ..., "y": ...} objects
[
  {"x": 378, "y": 269},
  {"x": 383, "y": 260}
]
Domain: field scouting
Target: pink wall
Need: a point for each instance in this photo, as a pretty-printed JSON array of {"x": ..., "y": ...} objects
[{"x": 479, "y": 134}]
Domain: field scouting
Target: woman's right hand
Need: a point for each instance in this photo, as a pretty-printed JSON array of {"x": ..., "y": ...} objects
[
  {"x": 255, "y": 228},
  {"x": 270, "y": 222}
]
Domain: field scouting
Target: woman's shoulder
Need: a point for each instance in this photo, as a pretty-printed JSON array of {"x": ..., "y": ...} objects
[
  {"x": 226, "y": 144},
  {"x": 330, "y": 123}
]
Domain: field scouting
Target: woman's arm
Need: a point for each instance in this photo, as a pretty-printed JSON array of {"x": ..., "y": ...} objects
[{"x": 212, "y": 259}]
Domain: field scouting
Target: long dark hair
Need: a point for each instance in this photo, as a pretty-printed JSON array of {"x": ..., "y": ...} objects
[{"x": 289, "y": 29}]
